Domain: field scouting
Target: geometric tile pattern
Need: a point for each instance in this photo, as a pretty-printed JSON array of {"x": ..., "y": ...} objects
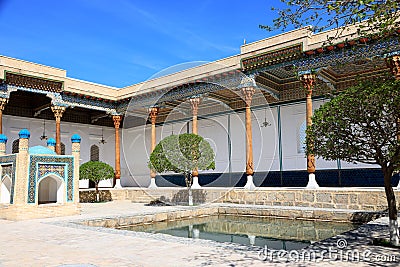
[{"x": 45, "y": 169}]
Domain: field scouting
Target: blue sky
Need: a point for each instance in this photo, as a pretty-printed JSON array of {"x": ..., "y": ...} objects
[{"x": 122, "y": 42}]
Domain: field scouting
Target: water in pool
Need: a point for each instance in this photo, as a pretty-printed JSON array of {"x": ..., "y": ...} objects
[{"x": 276, "y": 233}]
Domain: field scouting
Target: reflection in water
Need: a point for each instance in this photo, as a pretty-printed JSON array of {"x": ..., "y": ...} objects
[{"x": 256, "y": 231}]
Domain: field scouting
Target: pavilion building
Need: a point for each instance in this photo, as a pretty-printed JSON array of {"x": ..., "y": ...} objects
[{"x": 253, "y": 107}]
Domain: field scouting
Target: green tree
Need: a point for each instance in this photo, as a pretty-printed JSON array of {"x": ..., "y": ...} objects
[
  {"x": 96, "y": 171},
  {"x": 378, "y": 16},
  {"x": 182, "y": 154},
  {"x": 361, "y": 125}
]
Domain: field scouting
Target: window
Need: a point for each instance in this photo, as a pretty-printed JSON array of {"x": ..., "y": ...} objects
[
  {"x": 15, "y": 146},
  {"x": 94, "y": 153},
  {"x": 62, "y": 149}
]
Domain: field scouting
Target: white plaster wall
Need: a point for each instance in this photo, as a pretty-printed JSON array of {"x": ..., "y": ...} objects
[
  {"x": 238, "y": 137},
  {"x": 136, "y": 145},
  {"x": 265, "y": 140},
  {"x": 291, "y": 118},
  {"x": 215, "y": 131}
]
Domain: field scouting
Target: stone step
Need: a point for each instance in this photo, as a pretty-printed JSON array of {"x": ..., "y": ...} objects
[{"x": 144, "y": 199}]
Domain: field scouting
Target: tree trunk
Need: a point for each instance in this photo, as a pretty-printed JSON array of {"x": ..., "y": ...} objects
[
  {"x": 190, "y": 196},
  {"x": 96, "y": 185},
  {"x": 190, "y": 229},
  {"x": 188, "y": 180},
  {"x": 391, "y": 200}
]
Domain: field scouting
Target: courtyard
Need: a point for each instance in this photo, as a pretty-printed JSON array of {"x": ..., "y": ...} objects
[{"x": 62, "y": 241}]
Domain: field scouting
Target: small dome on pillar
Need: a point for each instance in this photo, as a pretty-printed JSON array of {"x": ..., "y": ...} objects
[
  {"x": 3, "y": 139},
  {"x": 75, "y": 138},
  {"x": 24, "y": 134},
  {"x": 51, "y": 142}
]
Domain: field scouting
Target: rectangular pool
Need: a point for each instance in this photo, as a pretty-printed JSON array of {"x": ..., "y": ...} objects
[{"x": 275, "y": 233}]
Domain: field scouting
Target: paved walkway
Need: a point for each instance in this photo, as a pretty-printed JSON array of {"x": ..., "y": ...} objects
[{"x": 58, "y": 242}]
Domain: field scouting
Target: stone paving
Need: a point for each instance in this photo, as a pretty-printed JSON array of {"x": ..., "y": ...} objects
[{"x": 59, "y": 242}]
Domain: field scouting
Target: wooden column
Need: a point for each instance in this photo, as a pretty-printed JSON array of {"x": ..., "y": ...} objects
[
  {"x": 153, "y": 112},
  {"x": 3, "y": 102},
  {"x": 308, "y": 81},
  {"x": 117, "y": 175},
  {"x": 194, "y": 103},
  {"x": 153, "y": 118},
  {"x": 248, "y": 93},
  {"x": 58, "y": 112}
]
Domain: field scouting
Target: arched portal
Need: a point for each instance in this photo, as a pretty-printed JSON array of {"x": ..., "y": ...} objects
[
  {"x": 51, "y": 190},
  {"x": 5, "y": 191}
]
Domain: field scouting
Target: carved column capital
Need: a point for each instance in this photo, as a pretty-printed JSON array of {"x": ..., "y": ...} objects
[
  {"x": 394, "y": 64},
  {"x": 194, "y": 104},
  {"x": 153, "y": 112},
  {"x": 117, "y": 120},
  {"x": 248, "y": 93},
  {"x": 3, "y": 102},
  {"x": 308, "y": 81},
  {"x": 58, "y": 112}
]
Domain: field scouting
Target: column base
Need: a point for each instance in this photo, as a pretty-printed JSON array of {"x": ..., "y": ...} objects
[
  {"x": 249, "y": 184},
  {"x": 153, "y": 183},
  {"x": 196, "y": 184},
  {"x": 312, "y": 183},
  {"x": 117, "y": 184},
  {"x": 252, "y": 239},
  {"x": 398, "y": 186},
  {"x": 196, "y": 233}
]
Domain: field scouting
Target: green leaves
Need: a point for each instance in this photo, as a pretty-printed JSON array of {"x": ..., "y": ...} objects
[
  {"x": 379, "y": 17},
  {"x": 95, "y": 171},
  {"x": 182, "y": 154},
  {"x": 359, "y": 125}
]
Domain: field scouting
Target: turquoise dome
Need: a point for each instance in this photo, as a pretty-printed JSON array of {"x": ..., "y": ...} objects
[
  {"x": 75, "y": 138},
  {"x": 41, "y": 150},
  {"x": 24, "y": 134},
  {"x": 51, "y": 142},
  {"x": 3, "y": 139}
]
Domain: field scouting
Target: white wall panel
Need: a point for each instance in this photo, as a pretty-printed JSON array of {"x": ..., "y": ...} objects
[
  {"x": 215, "y": 131},
  {"x": 292, "y": 118},
  {"x": 136, "y": 146},
  {"x": 238, "y": 138},
  {"x": 265, "y": 140}
]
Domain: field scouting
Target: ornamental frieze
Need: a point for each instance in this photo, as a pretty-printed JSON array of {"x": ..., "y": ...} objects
[{"x": 33, "y": 82}]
